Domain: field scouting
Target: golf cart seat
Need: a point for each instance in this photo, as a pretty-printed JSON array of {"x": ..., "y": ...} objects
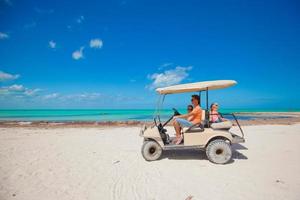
[
  {"x": 226, "y": 125},
  {"x": 196, "y": 127}
]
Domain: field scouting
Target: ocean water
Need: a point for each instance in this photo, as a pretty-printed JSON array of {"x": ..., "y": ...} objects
[
  {"x": 79, "y": 115},
  {"x": 100, "y": 115}
]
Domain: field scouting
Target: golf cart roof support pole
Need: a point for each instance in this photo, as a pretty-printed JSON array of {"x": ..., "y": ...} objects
[
  {"x": 207, "y": 99},
  {"x": 161, "y": 106},
  {"x": 200, "y": 98},
  {"x": 156, "y": 113}
]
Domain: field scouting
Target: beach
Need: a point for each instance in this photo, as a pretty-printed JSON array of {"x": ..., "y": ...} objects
[
  {"x": 112, "y": 118},
  {"x": 105, "y": 162},
  {"x": 205, "y": 90}
]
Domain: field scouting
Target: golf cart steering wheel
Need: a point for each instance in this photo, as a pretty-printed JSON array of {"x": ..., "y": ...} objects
[{"x": 175, "y": 112}]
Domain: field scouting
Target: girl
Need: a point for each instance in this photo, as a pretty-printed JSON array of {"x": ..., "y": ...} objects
[{"x": 214, "y": 116}]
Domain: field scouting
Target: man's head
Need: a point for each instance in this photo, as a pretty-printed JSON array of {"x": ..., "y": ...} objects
[{"x": 195, "y": 100}]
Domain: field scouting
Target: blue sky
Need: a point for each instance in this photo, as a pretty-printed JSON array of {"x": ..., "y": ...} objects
[{"x": 111, "y": 54}]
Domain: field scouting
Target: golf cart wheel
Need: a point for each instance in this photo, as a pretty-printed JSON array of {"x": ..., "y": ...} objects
[
  {"x": 151, "y": 150},
  {"x": 219, "y": 151}
]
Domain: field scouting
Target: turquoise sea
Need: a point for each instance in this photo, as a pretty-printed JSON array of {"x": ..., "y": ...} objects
[{"x": 59, "y": 115}]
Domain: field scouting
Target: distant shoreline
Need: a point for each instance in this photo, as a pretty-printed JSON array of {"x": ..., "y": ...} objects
[
  {"x": 258, "y": 118},
  {"x": 115, "y": 115}
]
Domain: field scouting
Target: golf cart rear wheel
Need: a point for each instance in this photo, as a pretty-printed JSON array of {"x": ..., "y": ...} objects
[
  {"x": 151, "y": 150},
  {"x": 219, "y": 151}
]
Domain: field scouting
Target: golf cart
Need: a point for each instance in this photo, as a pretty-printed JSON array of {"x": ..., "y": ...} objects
[{"x": 214, "y": 138}]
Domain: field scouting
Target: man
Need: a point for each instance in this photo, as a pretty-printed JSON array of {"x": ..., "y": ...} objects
[{"x": 193, "y": 117}]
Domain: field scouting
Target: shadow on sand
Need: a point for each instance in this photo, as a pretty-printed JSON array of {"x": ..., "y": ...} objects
[{"x": 193, "y": 154}]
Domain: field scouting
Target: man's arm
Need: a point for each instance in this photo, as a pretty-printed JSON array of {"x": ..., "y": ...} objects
[{"x": 184, "y": 116}]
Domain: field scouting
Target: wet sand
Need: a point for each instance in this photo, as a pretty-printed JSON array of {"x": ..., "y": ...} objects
[{"x": 261, "y": 118}]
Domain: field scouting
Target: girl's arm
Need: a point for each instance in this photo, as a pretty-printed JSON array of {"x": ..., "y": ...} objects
[{"x": 221, "y": 117}]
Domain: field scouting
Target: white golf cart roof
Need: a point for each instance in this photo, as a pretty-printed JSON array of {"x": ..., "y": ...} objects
[{"x": 196, "y": 87}]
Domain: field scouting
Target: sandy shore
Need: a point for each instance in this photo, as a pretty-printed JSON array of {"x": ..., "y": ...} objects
[{"x": 105, "y": 163}]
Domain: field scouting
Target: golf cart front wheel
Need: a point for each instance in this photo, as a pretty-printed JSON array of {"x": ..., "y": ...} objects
[
  {"x": 219, "y": 151},
  {"x": 151, "y": 150}
]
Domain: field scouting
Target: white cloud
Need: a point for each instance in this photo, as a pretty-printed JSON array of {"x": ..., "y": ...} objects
[
  {"x": 83, "y": 96},
  {"x": 16, "y": 88},
  {"x": 80, "y": 19},
  {"x": 52, "y": 44},
  {"x": 7, "y": 77},
  {"x": 169, "y": 77},
  {"x": 51, "y": 96},
  {"x": 31, "y": 92},
  {"x": 166, "y": 65},
  {"x": 3, "y": 36},
  {"x": 78, "y": 54},
  {"x": 96, "y": 43}
]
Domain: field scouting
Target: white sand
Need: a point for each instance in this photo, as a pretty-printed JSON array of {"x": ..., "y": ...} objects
[{"x": 105, "y": 163}]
